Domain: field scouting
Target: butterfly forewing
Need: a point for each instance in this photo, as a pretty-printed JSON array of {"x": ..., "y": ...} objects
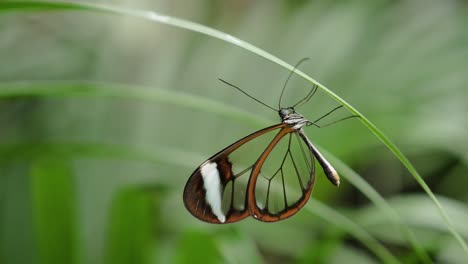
[
  {"x": 217, "y": 190},
  {"x": 286, "y": 175}
]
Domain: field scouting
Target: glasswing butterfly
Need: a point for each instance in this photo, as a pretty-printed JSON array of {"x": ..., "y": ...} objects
[{"x": 249, "y": 176}]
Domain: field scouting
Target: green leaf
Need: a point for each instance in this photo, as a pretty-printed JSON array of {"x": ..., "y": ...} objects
[
  {"x": 52, "y": 185},
  {"x": 131, "y": 228}
]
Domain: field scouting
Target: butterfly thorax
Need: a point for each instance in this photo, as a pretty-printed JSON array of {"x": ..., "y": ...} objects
[{"x": 291, "y": 118}]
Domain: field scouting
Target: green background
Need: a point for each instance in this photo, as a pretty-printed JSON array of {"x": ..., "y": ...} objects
[{"x": 104, "y": 117}]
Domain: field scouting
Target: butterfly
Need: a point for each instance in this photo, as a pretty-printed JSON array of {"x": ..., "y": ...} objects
[{"x": 248, "y": 178}]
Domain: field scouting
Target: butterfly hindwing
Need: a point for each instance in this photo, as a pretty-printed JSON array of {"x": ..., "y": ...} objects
[{"x": 282, "y": 179}]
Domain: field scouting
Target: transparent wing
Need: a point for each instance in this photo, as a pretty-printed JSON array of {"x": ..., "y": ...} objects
[
  {"x": 216, "y": 192},
  {"x": 283, "y": 178}
]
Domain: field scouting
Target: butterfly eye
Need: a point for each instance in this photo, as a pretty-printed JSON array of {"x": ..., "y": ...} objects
[{"x": 284, "y": 112}]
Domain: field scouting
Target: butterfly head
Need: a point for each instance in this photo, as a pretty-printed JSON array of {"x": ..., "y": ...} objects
[{"x": 284, "y": 112}]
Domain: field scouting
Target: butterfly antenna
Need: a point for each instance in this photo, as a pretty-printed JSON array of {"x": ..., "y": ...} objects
[
  {"x": 289, "y": 77},
  {"x": 242, "y": 91},
  {"x": 307, "y": 97}
]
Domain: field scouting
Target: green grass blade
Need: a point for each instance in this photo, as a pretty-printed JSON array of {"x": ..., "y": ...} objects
[
  {"x": 112, "y": 90},
  {"x": 379, "y": 202}
]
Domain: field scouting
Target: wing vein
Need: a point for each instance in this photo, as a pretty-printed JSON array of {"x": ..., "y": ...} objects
[
  {"x": 267, "y": 195},
  {"x": 242, "y": 172},
  {"x": 284, "y": 190},
  {"x": 297, "y": 172},
  {"x": 304, "y": 155}
]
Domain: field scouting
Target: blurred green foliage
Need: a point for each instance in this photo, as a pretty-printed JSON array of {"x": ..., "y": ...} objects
[{"x": 103, "y": 118}]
